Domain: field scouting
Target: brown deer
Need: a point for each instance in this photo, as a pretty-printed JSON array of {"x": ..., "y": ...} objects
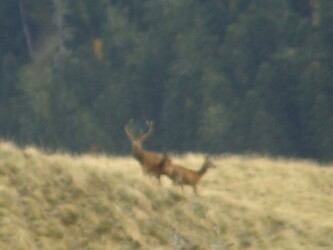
[
  {"x": 152, "y": 163},
  {"x": 184, "y": 176}
]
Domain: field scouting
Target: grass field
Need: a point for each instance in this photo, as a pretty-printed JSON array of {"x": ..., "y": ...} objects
[{"x": 61, "y": 201}]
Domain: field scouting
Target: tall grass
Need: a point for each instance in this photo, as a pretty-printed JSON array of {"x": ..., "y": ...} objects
[{"x": 62, "y": 201}]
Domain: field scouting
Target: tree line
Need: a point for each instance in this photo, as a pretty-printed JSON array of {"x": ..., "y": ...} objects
[{"x": 215, "y": 76}]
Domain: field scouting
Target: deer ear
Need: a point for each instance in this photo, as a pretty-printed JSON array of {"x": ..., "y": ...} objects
[{"x": 166, "y": 156}]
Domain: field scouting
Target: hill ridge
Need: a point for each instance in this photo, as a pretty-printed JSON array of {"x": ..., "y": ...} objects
[{"x": 63, "y": 201}]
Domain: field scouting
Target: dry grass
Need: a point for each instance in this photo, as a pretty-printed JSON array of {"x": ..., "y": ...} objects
[{"x": 60, "y": 201}]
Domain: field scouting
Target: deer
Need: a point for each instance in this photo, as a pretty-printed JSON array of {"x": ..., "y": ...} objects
[
  {"x": 152, "y": 163},
  {"x": 180, "y": 175}
]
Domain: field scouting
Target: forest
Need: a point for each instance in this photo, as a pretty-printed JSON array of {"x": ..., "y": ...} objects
[{"x": 223, "y": 76}]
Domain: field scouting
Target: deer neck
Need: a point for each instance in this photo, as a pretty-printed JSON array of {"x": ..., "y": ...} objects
[
  {"x": 203, "y": 170},
  {"x": 138, "y": 152}
]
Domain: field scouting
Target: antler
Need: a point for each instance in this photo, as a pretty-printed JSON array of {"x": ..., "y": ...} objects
[
  {"x": 150, "y": 125},
  {"x": 208, "y": 162},
  {"x": 143, "y": 136},
  {"x": 130, "y": 136}
]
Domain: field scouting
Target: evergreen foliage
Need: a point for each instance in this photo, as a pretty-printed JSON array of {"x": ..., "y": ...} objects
[{"x": 221, "y": 76}]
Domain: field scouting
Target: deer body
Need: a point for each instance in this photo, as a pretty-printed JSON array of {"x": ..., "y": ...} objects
[
  {"x": 150, "y": 162},
  {"x": 184, "y": 176}
]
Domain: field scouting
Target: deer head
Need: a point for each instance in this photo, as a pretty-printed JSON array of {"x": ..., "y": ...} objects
[
  {"x": 166, "y": 164},
  {"x": 165, "y": 160},
  {"x": 138, "y": 140},
  {"x": 206, "y": 165}
]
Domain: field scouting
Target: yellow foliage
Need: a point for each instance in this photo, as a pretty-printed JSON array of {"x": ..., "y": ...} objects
[
  {"x": 233, "y": 5},
  {"x": 97, "y": 46},
  {"x": 61, "y": 201},
  {"x": 315, "y": 14}
]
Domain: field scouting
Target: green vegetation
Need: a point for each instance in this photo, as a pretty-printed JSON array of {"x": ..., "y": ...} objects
[
  {"x": 61, "y": 201},
  {"x": 216, "y": 76}
]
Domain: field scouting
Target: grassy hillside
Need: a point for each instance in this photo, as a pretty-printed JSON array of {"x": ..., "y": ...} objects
[{"x": 59, "y": 201}]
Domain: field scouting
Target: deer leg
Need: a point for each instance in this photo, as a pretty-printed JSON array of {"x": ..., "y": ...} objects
[
  {"x": 195, "y": 190},
  {"x": 144, "y": 171},
  {"x": 178, "y": 180}
]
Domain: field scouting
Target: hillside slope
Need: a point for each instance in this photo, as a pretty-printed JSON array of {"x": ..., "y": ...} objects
[{"x": 60, "y": 201}]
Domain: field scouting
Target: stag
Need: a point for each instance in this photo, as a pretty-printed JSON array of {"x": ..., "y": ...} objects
[
  {"x": 184, "y": 176},
  {"x": 152, "y": 163}
]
